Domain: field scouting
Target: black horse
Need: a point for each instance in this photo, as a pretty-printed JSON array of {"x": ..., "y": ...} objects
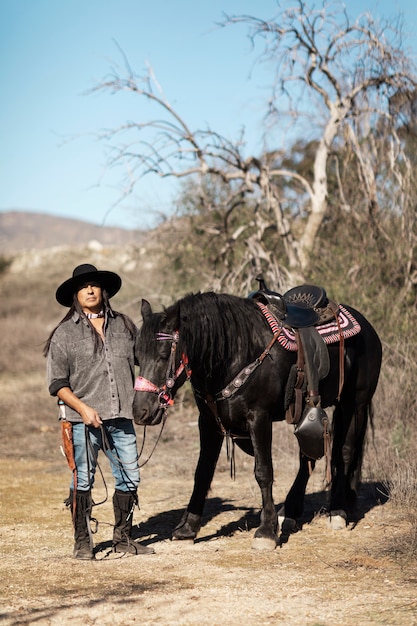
[{"x": 223, "y": 342}]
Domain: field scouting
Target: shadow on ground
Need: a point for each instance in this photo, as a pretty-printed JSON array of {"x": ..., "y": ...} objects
[{"x": 161, "y": 526}]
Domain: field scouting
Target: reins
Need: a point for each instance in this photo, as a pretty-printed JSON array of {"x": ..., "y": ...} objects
[
  {"x": 164, "y": 391},
  {"x": 114, "y": 458},
  {"x": 155, "y": 444},
  {"x": 165, "y": 396}
]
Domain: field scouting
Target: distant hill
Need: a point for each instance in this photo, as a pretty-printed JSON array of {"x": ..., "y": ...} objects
[{"x": 26, "y": 231}]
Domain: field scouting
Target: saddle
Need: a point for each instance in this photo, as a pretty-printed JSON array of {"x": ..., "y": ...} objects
[{"x": 302, "y": 309}]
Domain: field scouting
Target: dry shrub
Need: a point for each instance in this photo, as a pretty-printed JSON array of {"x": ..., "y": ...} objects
[
  {"x": 395, "y": 408},
  {"x": 401, "y": 488},
  {"x": 402, "y": 485},
  {"x": 394, "y": 448}
]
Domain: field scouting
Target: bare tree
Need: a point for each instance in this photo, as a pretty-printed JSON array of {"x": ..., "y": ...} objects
[{"x": 323, "y": 62}]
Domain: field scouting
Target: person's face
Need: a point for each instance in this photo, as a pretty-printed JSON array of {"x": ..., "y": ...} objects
[{"x": 90, "y": 298}]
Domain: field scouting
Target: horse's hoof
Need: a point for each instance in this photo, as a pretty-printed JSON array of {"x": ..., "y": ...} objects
[
  {"x": 186, "y": 543},
  {"x": 183, "y": 538},
  {"x": 188, "y": 527},
  {"x": 264, "y": 543},
  {"x": 286, "y": 525},
  {"x": 337, "y": 520}
]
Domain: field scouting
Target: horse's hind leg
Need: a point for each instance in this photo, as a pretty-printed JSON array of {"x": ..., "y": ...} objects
[
  {"x": 347, "y": 456},
  {"x": 294, "y": 502},
  {"x": 210, "y": 445}
]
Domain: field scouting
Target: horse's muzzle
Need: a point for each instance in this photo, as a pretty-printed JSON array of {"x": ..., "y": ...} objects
[{"x": 144, "y": 418}]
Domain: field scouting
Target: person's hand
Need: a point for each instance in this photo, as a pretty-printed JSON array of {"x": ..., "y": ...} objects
[{"x": 90, "y": 416}]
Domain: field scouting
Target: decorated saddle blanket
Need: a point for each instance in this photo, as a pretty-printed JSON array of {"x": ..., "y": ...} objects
[{"x": 330, "y": 332}]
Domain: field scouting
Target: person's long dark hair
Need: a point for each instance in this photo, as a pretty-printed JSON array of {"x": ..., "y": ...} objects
[{"x": 75, "y": 307}]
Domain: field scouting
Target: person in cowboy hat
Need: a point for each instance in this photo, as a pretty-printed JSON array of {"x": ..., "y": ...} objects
[{"x": 91, "y": 356}]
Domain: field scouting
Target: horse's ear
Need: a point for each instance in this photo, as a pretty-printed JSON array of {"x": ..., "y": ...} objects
[{"x": 146, "y": 309}]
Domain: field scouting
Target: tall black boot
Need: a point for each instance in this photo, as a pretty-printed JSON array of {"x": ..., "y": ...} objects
[
  {"x": 124, "y": 504},
  {"x": 83, "y": 545}
]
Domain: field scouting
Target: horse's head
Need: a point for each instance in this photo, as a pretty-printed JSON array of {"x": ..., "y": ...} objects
[{"x": 163, "y": 368}]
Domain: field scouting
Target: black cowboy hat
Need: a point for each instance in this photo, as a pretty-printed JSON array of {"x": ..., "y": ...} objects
[{"x": 82, "y": 274}]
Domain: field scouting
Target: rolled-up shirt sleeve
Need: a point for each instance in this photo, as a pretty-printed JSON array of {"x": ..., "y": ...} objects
[{"x": 57, "y": 371}]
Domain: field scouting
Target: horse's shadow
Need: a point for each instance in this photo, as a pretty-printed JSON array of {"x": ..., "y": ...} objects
[
  {"x": 371, "y": 495},
  {"x": 160, "y": 526}
]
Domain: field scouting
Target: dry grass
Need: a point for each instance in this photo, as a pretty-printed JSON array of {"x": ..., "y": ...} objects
[{"x": 315, "y": 578}]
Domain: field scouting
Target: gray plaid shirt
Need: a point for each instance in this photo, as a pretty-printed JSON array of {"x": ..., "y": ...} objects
[{"x": 104, "y": 380}]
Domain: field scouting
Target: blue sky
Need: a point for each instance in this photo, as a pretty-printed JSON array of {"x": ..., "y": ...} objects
[{"x": 54, "y": 51}]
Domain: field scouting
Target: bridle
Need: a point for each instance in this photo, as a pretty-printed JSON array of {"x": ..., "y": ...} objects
[{"x": 164, "y": 392}]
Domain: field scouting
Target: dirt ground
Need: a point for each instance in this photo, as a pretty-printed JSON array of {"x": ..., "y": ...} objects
[{"x": 317, "y": 578}]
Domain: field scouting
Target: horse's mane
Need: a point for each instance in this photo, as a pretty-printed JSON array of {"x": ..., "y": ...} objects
[{"x": 217, "y": 328}]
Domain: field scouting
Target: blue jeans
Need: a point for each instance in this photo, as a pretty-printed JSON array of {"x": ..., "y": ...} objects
[{"x": 117, "y": 438}]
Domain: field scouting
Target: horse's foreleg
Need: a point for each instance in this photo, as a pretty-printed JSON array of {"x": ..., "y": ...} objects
[
  {"x": 210, "y": 445},
  {"x": 266, "y": 534},
  {"x": 294, "y": 502}
]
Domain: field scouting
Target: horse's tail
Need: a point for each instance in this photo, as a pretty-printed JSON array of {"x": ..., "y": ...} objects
[{"x": 371, "y": 419}]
